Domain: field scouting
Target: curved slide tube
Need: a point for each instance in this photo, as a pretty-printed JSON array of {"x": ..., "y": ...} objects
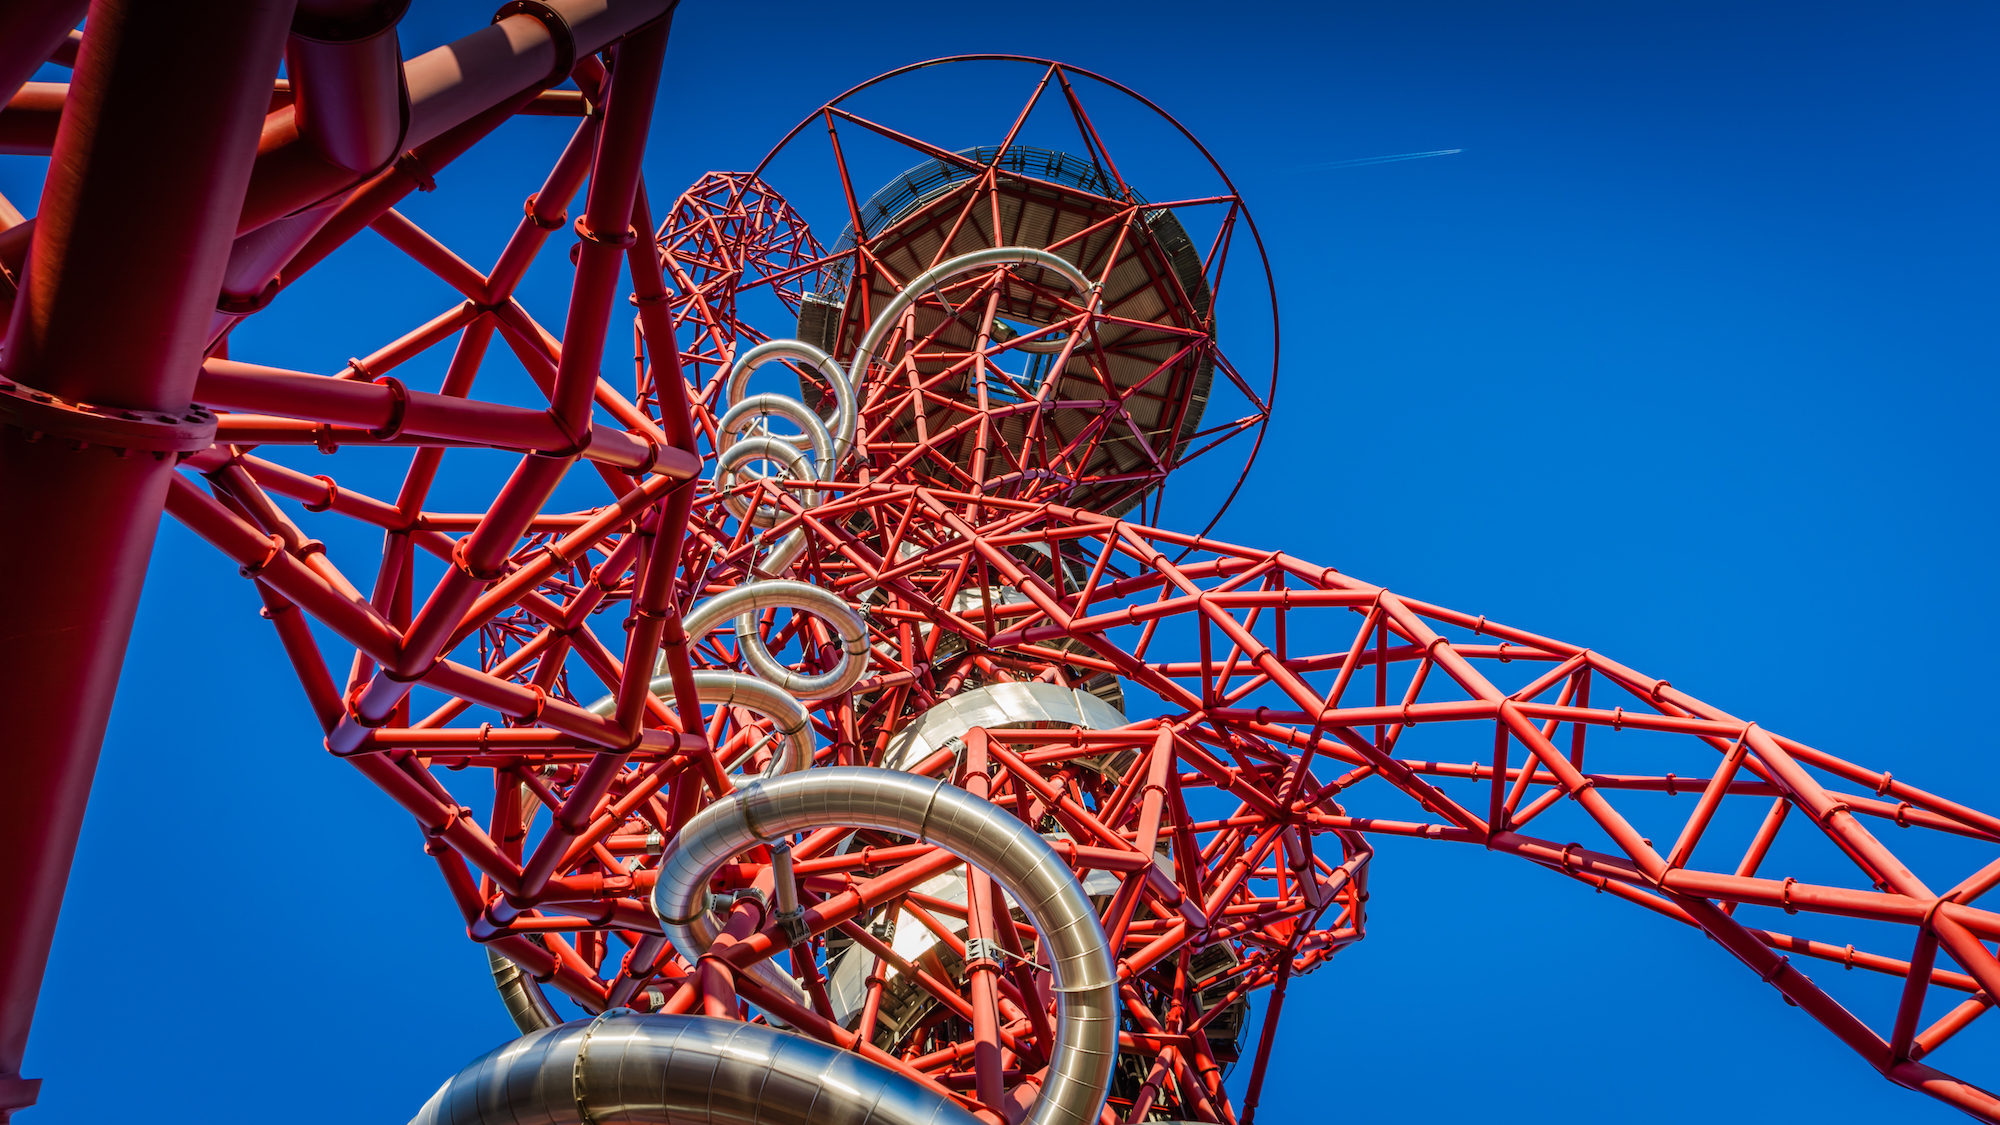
[
  {"x": 792, "y": 724},
  {"x": 697, "y": 1069},
  {"x": 683, "y": 1070},
  {"x": 847, "y": 413},
  {"x": 734, "y": 451},
  {"x": 751, "y": 598},
  {"x": 732, "y": 460},
  {"x": 982, "y": 834},
  {"x": 766, "y": 699},
  {"x": 864, "y": 352},
  {"x": 832, "y": 442}
]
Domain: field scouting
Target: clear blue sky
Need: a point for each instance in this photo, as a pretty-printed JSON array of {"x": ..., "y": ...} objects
[{"x": 1688, "y": 356}]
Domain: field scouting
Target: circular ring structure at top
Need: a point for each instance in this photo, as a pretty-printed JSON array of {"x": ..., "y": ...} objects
[{"x": 1010, "y": 382}]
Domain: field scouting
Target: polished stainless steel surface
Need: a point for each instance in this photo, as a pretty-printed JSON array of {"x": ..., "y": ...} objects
[
  {"x": 740, "y": 455},
  {"x": 733, "y": 453},
  {"x": 845, "y": 416},
  {"x": 733, "y": 462},
  {"x": 525, "y": 1002},
  {"x": 997, "y": 707},
  {"x": 830, "y": 444},
  {"x": 984, "y": 835},
  {"x": 904, "y": 1001},
  {"x": 892, "y": 313},
  {"x": 753, "y": 413},
  {"x": 622, "y": 1066},
  {"x": 736, "y": 451},
  {"x": 788, "y": 717},
  {"x": 751, "y": 598},
  {"x": 683, "y": 1070},
  {"x": 792, "y": 724}
]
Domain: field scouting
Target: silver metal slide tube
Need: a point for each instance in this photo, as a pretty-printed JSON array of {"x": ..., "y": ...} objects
[
  {"x": 743, "y": 602},
  {"x": 846, "y": 413},
  {"x": 741, "y": 453},
  {"x": 692, "y": 1069},
  {"x": 683, "y": 1070},
  {"x": 830, "y": 444},
  {"x": 982, "y": 834},
  {"x": 754, "y": 409},
  {"x": 526, "y": 1004},
  {"x": 793, "y": 724},
  {"x": 864, "y": 352}
]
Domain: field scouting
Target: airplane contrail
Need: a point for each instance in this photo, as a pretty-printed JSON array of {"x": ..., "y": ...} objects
[{"x": 1361, "y": 160}]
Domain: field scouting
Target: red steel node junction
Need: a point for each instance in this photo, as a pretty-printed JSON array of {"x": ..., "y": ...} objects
[{"x": 863, "y": 750}]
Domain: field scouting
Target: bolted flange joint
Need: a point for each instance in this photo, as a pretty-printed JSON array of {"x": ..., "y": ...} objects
[
  {"x": 982, "y": 953},
  {"x": 561, "y": 35},
  {"x": 793, "y": 923},
  {"x": 41, "y": 414}
]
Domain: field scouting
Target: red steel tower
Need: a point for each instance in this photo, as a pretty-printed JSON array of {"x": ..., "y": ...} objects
[{"x": 863, "y": 751}]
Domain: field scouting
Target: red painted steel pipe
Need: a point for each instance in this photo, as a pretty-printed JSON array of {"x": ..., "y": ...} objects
[
  {"x": 383, "y": 407},
  {"x": 346, "y": 71},
  {"x": 29, "y": 122},
  {"x": 448, "y": 87},
  {"x": 142, "y": 133},
  {"x": 1258, "y": 885},
  {"x": 30, "y": 34}
]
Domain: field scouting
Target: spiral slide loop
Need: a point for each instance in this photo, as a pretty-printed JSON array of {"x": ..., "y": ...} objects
[
  {"x": 788, "y": 717},
  {"x": 791, "y": 724},
  {"x": 846, "y": 412},
  {"x": 864, "y": 352},
  {"x": 734, "y": 451},
  {"x": 984, "y": 835},
  {"x": 787, "y": 798},
  {"x": 751, "y": 598}
]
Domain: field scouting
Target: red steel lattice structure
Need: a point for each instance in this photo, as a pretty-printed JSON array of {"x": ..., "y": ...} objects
[{"x": 1030, "y": 344}]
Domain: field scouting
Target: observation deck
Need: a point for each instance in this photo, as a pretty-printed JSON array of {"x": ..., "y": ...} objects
[{"x": 1100, "y": 432}]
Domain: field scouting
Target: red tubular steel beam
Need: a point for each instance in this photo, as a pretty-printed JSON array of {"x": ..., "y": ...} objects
[
  {"x": 345, "y": 69},
  {"x": 388, "y": 410},
  {"x": 604, "y": 230},
  {"x": 30, "y": 118},
  {"x": 265, "y": 560},
  {"x": 1255, "y": 873},
  {"x": 982, "y": 969},
  {"x": 143, "y": 133},
  {"x": 545, "y": 212},
  {"x": 1257, "y": 1070},
  {"x": 30, "y": 34},
  {"x": 29, "y": 123},
  {"x": 510, "y": 61}
]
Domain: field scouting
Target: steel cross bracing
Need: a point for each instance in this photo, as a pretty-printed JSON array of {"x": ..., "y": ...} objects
[
  {"x": 1222, "y": 839},
  {"x": 727, "y": 236}
]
